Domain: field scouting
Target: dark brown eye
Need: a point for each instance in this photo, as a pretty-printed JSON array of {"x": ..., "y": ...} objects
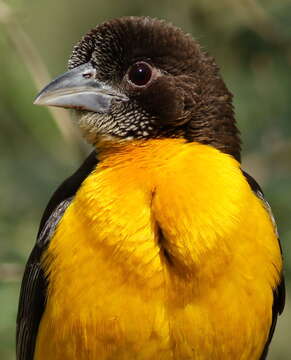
[{"x": 140, "y": 73}]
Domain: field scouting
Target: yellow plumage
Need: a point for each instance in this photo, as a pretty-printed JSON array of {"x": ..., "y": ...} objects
[{"x": 164, "y": 253}]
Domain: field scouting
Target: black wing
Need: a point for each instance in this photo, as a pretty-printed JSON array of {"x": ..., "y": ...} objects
[
  {"x": 33, "y": 288},
  {"x": 279, "y": 292}
]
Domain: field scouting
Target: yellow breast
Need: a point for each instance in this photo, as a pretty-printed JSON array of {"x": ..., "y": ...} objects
[{"x": 164, "y": 253}]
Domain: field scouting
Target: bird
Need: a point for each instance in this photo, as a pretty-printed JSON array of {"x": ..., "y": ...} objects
[{"x": 160, "y": 246}]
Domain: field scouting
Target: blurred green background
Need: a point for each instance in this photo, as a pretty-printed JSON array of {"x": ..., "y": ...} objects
[{"x": 251, "y": 41}]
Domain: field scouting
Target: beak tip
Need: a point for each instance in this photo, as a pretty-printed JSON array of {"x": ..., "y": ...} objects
[
  {"x": 37, "y": 100},
  {"x": 40, "y": 100}
]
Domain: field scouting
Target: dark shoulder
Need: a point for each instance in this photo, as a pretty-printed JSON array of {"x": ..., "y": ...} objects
[
  {"x": 32, "y": 298},
  {"x": 253, "y": 184},
  {"x": 279, "y": 291},
  {"x": 69, "y": 187}
]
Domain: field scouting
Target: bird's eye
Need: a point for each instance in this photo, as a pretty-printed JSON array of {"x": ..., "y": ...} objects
[{"x": 140, "y": 73}]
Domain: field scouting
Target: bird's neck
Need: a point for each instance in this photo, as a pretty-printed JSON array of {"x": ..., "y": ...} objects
[{"x": 219, "y": 131}]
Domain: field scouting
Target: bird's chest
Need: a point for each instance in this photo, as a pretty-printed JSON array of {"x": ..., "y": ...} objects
[{"x": 135, "y": 270}]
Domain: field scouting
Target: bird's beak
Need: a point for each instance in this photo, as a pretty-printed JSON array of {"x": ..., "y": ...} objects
[{"x": 79, "y": 89}]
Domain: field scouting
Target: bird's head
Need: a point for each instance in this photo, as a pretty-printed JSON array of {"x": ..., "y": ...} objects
[{"x": 142, "y": 78}]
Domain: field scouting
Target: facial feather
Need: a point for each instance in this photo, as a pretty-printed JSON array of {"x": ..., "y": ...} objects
[{"x": 185, "y": 97}]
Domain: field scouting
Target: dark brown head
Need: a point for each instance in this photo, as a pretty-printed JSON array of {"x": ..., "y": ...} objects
[{"x": 143, "y": 78}]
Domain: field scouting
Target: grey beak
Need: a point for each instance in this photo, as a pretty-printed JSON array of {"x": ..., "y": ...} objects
[{"x": 79, "y": 89}]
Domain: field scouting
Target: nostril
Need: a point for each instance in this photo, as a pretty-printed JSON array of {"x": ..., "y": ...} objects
[{"x": 87, "y": 75}]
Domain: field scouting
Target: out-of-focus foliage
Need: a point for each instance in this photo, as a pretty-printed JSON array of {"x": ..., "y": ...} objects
[{"x": 251, "y": 41}]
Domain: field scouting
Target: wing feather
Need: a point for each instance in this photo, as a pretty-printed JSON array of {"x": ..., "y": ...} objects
[
  {"x": 279, "y": 292},
  {"x": 33, "y": 288}
]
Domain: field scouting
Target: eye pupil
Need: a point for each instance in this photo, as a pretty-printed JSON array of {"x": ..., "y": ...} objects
[{"x": 140, "y": 73}]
